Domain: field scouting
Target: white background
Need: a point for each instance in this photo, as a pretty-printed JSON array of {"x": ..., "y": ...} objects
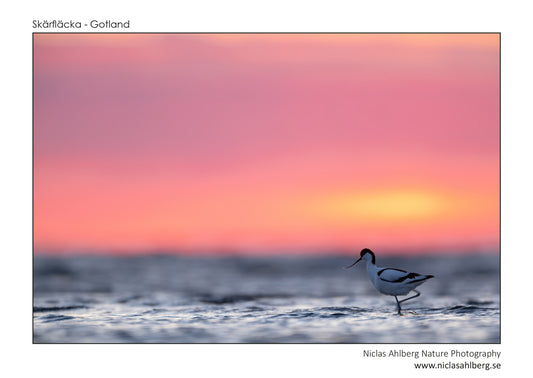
[{"x": 20, "y": 357}]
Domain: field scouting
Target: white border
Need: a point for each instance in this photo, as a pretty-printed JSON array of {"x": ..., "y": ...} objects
[{"x": 21, "y": 357}]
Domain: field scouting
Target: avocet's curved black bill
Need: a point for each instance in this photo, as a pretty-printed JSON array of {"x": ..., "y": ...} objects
[{"x": 346, "y": 267}]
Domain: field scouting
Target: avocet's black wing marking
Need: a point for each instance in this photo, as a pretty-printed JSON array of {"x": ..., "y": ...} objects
[{"x": 399, "y": 275}]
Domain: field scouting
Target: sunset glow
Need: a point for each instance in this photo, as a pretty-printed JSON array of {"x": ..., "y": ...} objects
[{"x": 265, "y": 142}]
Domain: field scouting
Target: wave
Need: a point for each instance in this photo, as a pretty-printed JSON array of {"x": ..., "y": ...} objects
[
  {"x": 57, "y": 308},
  {"x": 55, "y": 318},
  {"x": 236, "y": 298}
]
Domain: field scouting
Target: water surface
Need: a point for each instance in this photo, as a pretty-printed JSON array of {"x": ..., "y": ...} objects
[{"x": 175, "y": 299}]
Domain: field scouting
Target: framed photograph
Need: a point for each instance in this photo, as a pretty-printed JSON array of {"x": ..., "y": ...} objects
[{"x": 210, "y": 187}]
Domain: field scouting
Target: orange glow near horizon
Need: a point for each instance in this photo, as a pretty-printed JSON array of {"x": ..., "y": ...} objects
[{"x": 265, "y": 142}]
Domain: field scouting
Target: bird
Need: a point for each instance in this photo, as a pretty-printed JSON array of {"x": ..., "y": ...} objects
[{"x": 391, "y": 281}]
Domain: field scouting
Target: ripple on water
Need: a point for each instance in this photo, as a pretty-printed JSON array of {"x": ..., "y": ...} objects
[
  {"x": 468, "y": 309},
  {"x": 236, "y": 298},
  {"x": 322, "y": 312},
  {"x": 55, "y": 318},
  {"x": 56, "y": 308},
  {"x": 154, "y": 311},
  {"x": 350, "y": 310}
]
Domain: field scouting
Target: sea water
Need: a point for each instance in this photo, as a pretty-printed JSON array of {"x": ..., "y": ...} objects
[{"x": 293, "y": 299}]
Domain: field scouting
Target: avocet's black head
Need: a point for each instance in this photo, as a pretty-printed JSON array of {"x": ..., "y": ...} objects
[{"x": 364, "y": 252}]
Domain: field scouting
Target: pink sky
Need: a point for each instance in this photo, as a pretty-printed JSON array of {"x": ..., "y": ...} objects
[{"x": 263, "y": 142}]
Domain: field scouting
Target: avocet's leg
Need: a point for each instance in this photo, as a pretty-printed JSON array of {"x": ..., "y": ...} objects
[
  {"x": 398, "y": 303},
  {"x": 406, "y": 299}
]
